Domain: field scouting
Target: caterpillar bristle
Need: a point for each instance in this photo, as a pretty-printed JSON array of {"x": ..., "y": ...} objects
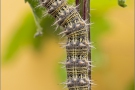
[
  {"x": 63, "y": 63},
  {"x": 93, "y": 84},
  {"x": 45, "y": 14},
  {"x": 62, "y": 36},
  {"x": 38, "y": 33},
  {"x": 77, "y": 6},
  {"x": 91, "y": 23},
  {"x": 63, "y": 67},
  {"x": 38, "y": 6},
  {"x": 63, "y": 32},
  {"x": 92, "y": 9},
  {"x": 56, "y": 22},
  {"x": 57, "y": 26}
]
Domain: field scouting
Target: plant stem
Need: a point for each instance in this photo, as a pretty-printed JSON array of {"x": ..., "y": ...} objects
[
  {"x": 77, "y": 2},
  {"x": 84, "y": 9}
]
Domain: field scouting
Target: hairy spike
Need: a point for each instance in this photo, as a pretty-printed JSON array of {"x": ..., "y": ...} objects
[{"x": 56, "y": 22}]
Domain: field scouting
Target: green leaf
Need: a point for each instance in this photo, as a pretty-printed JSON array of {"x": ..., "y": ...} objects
[
  {"x": 37, "y": 12},
  {"x": 23, "y": 36},
  {"x": 122, "y": 3},
  {"x": 131, "y": 85}
]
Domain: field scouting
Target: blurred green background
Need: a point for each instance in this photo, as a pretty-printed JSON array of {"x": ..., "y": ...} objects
[{"x": 30, "y": 63}]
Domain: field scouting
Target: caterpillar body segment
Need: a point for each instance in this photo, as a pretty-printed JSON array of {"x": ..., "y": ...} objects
[{"x": 77, "y": 46}]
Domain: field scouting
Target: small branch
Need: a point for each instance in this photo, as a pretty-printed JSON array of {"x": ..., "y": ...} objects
[
  {"x": 84, "y": 9},
  {"x": 77, "y": 2}
]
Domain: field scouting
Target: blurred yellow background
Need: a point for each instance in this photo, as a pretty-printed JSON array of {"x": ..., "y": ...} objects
[{"x": 33, "y": 70}]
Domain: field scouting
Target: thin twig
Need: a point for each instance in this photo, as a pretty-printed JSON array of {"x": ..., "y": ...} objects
[
  {"x": 84, "y": 9},
  {"x": 77, "y": 3}
]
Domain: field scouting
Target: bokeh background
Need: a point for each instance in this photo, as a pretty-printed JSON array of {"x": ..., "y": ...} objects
[{"x": 30, "y": 63}]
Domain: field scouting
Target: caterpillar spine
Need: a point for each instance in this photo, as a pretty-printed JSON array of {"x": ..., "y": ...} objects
[{"x": 77, "y": 46}]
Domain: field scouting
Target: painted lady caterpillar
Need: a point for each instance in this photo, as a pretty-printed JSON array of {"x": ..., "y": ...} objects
[{"x": 77, "y": 45}]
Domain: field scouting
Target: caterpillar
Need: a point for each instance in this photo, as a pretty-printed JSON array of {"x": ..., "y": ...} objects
[{"x": 77, "y": 45}]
